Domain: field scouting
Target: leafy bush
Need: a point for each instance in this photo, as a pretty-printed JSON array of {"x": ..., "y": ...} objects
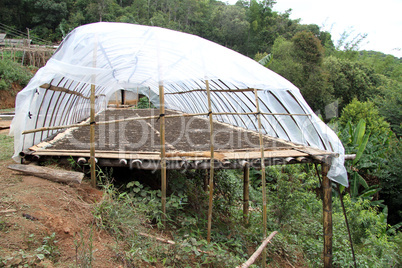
[
  {"x": 144, "y": 103},
  {"x": 13, "y": 72}
]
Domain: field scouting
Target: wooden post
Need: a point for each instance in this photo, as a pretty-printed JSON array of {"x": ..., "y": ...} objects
[
  {"x": 163, "y": 149},
  {"x": 327, "y": 216},
  {"x": 117, "y": 100},
  {"x": 246, "y": 178},
  {"x": 138, "y": 98},
  {"x": 263, "y": 182},
  {"x": 149, "y": 98},
  {"x": 92, "y": 120},
  {"x": 123, "y": 97},
  {"x": 211, "y": 172}
]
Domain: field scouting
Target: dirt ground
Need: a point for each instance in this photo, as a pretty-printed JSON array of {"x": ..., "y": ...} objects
[{"x": 32, "y": 209}]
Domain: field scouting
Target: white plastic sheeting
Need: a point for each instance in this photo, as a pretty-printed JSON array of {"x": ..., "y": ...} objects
[{"x": 117, "y": 56}]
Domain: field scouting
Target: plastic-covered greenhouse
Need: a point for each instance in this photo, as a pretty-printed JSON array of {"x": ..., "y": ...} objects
[{"x": 114, "y": 56}]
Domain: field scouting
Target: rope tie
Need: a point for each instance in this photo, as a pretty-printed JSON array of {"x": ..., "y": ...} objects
[{"x": 160, "y": 116}]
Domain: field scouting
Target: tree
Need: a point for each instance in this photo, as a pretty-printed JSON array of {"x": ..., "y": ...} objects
[
  {"x": 356, "y": 110},
  {"x": 231, "y": 26},
  {"x": 351, "y": 80},
  {"x": 44, "y": 16},
  {"x": 299, "y": 61},
  {"x": 389, "y": 104}
]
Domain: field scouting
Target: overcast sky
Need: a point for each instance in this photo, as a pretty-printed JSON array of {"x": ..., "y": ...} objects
[{"x": 381, "y": 20}]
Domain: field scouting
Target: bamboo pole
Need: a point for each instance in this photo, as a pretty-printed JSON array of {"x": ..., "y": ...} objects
[
  {"x": 163, "y": 149},
  {"x": 246, "y": 178},
  {"x": 212, "y": 90},
  {"x": 263, "y": 182},
  {"x": 327, "y": 216},
  {"x": 257, "y": 253},
  {"x": 138, "y": 98},
  {"x": 92, "y": 121},
  {"x": 211, "y": 172},
  {"x": 149, "y": 97},
  {"x": 92, "y": 137}
]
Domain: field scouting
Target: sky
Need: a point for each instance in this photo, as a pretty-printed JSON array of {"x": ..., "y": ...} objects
[{"x": 380, "y": 20}]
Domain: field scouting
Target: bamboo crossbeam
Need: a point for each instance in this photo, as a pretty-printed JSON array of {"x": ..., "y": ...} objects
[
  {"x": 148, "y": 118},
  {"x": 211, "y": 90},
  {"x": 65, "y": 90},
  {"x": 255, "y": 113}
]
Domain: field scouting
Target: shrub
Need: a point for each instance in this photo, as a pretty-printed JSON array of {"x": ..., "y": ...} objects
[{"x": 11, "y": 72}]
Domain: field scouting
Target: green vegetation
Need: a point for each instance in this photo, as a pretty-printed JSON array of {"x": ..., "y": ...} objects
[
  {"x": 6, "y": 147},
  {"x": 294, "y": 209},
  {"x": 10, "y": 72},
  {"x": 34, "y": 253}
]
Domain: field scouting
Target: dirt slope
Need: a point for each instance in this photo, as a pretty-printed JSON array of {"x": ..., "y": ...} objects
[{"x": 32, "y": 209}]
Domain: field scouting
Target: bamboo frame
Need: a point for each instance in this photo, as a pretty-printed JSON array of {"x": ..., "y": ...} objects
[
  {"x": 211, "y": 172},
  {"x": 263, "y": 181},
  {"x": 327, "y": 205}
]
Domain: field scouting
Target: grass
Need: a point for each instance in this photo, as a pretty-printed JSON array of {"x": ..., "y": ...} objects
[
  {"x": 8, "y": 110},
  {"x": 6, "y": 147}
]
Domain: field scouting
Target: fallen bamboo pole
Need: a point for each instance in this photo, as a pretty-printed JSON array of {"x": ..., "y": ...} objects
[
  {"x": 257, "y": 253},
  {"x": 263, "y": 182},
  {"x": 211, "y": 172}
]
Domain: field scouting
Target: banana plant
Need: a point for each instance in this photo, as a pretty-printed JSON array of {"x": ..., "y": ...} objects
[
  {"x": 355, "y": 140},
  {"x": 266, "y": 60}
]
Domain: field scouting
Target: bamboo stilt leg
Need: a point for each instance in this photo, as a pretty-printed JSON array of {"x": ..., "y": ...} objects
[
  {"x": 92, "y": 121},
  {"x": 92, "y": 137},
  {"x": 263, "y": 181},
  {"x": 211, "y": 172},
  {"x": 163, "y": 149},
  {"x": 327, "y": 216},
  {"x": 246, "y": 177}
]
